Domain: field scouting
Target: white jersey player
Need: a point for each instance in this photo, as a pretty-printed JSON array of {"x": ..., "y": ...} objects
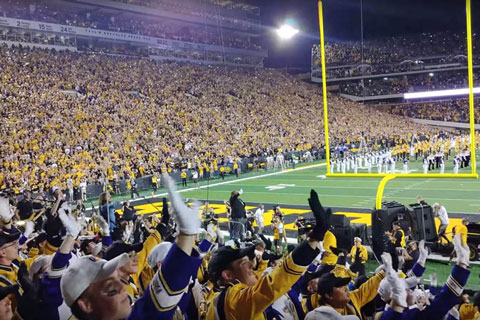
[
  {"x": 455, "y": 165},
  {"x": 405, "y": 166}
]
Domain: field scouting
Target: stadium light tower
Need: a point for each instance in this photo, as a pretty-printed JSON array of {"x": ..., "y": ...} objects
[{"x": 286, "y": 31}]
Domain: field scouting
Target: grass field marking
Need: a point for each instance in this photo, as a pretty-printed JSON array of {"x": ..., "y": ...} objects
[
  {"x": 278, "y": 186},
  {"x": 231, "y": 181}
]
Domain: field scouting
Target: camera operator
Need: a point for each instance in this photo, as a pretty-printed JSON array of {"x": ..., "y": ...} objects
[{"x": 301, "y": 224}]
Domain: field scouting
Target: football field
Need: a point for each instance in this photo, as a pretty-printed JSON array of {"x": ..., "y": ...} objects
[
  {"x": 292, "y": 187},
  {"x": 353, "y": 197}
]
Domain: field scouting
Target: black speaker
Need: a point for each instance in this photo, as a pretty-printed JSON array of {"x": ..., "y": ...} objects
[
  {"x": 339, "y": 220},
  {"x": 344, "y": 237},
  {"x": 423, "y": 222},
  {"x": 360, "y": 230},
  {"x": 382, "y": 221}
]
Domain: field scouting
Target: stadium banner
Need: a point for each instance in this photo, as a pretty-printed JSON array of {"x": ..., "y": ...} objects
[{"x": 112, "y": 35}]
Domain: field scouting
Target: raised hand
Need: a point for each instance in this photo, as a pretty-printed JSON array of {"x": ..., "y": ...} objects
[
  {"x": 187, "y": 218},
  {"x": 322, "y": 217}
]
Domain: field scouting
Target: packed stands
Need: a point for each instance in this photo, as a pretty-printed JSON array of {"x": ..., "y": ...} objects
[{"x": 91, "y": 116}]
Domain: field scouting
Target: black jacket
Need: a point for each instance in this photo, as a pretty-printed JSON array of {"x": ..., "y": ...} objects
[{"x": 238, "y": 207}]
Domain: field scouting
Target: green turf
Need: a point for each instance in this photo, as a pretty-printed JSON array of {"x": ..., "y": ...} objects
[{"x": 456, "y": 195}]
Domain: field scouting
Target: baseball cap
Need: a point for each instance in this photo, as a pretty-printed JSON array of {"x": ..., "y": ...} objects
[
  {"x": 119, "y": 247},
  {"x": 222, "y": 258},
  {"x": 85, "y": 271},
  {"x": 158, "y": 253},
  {"x": 328, "y": 281},
  {"x": 357, "y": 239},
  {"x": 5, "y": 291},
  {"x": 86, "y": 241},
  {"x": 328, "y": 313},
  {"x": 8, "y": 235}
]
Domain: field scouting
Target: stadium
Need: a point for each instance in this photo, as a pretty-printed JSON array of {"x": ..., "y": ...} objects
[{"x": 224, "y": 159}]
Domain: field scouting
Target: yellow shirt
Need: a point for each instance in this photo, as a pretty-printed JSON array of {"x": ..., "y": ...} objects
[
  {"x": 255, "y": 299},
  {"x": 329, "y": 241},
  {"x": 362, "y": 296},
  {"x": 363, "y": 253}
]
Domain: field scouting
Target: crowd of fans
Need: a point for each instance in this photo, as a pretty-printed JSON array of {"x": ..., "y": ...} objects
[
  {"x": 409, "y": 83},
  {"x": 159, "y": 28},
  {"x": 447, "y": 110},
  {"x": 105, "y": 115},
  {"x": 60, "y": 264},
  {"x": 394, "y": 54}
]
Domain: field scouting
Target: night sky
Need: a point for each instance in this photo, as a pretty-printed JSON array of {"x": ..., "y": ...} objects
[{"x": 342, "y": 22}]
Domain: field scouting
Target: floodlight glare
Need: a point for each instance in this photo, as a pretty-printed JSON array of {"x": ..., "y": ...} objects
[
  {"x": 440, "y": 93},
  {"x": 286, "y": 31}
]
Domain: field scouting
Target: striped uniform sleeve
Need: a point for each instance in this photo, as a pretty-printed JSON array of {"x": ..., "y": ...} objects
[
  {"x": 448, "y": 296},
  {"x": 49, "y": 288},
  {"x": 22, "y": 240},
  {"x": 204, "y": 245},
  {"x": 417, "y": 271},
  {"x": 59, "y": 264},
  {"x": 168, "y": 286},
  {"x": 106, "y": 241},
  {"x": 257, "y": 298}
]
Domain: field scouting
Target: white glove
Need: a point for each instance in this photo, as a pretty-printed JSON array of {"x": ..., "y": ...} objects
[
  {"x": 398, "y": 287},
  {"x": 96, "y": 250},
  {"x": 187, "y": 218},
  {"x": 387, "y": 262},
  {"x": 385, "y": 290},
  {"x": 462, "y": 250},
  {"x": 29, "y": 226},
  {"x": 69, "y": 222},
  {"x": 103, "y": 225},
  {"x": 411, "y": 282},
  {"x": 220, "y": 236},
  {"x": 241, "y": 191},
  {"x": 6, "y": 212},
  {"x": 211, "y": 232},
  {"x": 128, "y": 232},
  {"x": 423, "y": 253},
  {"x": 454, "y": 313}
]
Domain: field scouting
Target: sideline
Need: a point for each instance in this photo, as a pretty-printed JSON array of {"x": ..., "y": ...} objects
[{"x": 228, "y": 182}]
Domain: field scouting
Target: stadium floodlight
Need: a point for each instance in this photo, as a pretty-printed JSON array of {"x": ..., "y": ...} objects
[
  {"x": 286, "y": 31},
  {"x": 440, "y": 93}
]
